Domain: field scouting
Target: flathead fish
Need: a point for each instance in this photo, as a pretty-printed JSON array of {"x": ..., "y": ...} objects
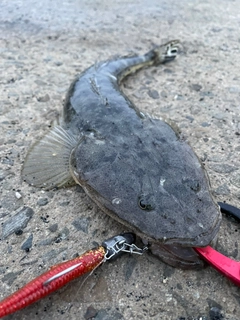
[{"x": 137, "y": 169}]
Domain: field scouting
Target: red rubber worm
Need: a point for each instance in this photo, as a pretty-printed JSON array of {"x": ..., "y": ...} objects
[{"x": 53, "y": 279}]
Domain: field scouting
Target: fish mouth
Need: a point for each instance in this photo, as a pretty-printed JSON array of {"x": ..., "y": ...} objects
[
  {"x": 177, "y": 256},
  {"x": 180, "y": 253},
  {"x": 201, "y": 240}
]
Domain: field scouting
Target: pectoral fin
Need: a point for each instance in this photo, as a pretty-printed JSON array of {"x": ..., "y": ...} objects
[{"x": 47, "y": 162}]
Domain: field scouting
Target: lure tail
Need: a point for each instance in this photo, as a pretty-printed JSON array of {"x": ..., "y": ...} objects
[{"x": 128, "y": 65}]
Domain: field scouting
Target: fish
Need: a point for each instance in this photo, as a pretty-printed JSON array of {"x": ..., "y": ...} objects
[{"x": 138, "y": 169}]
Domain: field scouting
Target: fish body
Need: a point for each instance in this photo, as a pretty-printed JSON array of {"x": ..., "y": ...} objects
[{"x": 139, "y": 170}]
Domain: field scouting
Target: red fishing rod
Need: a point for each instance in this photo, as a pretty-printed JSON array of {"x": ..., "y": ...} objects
[{"x": 62, "y": 273}]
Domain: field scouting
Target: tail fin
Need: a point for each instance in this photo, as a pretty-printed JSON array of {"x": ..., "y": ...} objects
[{"x": 164, "y": 53}]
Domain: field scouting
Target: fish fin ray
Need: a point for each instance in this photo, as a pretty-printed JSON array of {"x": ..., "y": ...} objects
[{"x": 47, "y": 162}]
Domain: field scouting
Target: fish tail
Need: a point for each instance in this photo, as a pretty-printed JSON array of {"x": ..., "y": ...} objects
[
  {"x": 158, "y": 55},
  {"x": 163, "y": 53}
]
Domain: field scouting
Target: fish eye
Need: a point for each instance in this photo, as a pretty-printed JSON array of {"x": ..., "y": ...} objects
[{"x": 144, "y": 203}]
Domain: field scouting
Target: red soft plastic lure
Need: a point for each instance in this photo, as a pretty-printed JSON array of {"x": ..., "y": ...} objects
[{"x": 55, "y": 278}]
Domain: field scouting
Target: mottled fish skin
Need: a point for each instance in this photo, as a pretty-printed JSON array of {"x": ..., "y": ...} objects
[{"x": 139, "y": 170}]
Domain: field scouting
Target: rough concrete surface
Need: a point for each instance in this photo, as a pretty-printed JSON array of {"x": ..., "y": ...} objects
[{"x": 44, "y": 44}]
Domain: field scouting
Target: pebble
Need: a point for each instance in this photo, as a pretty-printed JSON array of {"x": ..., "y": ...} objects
[
  {"x": 205, "y": 124},
  {"x": 8, "y": 202},
  {"x": 196, "y": 87},
  {"x": 58, "y": 63},
  {"x": 179, "y": 286},
  {"x": 105, "y": 314},
  {"x": 17, "y": 222},
  {"x": 235, "y": 180},
  {"x": 224, "y": 47},
  {"x": 222, "y": 190},
  {"x": 28, "y": 243},
  {"x": 18, "y": 195},
  {"x": 190, "y": 118},
  {"x": 62, "y": 235},
  {"x": 3, "y": 174},
  {"x": 206, "y": 94},
  {"x": 42, "y": 201},
  {"x": 64, "y": 203},
  {"x": 213, "y": 304},
  {"x": 222, "y": 168},
  {"x": 168, "y": 271},
  {"x": 215, "y": 314},
  {"x": 53, "y": 227},
  {"x": 178, "y": 97},
  {"x": 44, "y": 98},
  {"x": 216, "y": 29},
  {"x": 164, "y": 94},
  {"x": 40, "y": 82},
  {"x": 219, "y": 116},
  {"x": 10, "y": 277},
  {"x": 153, "y": 94},
  {"x": 52, "y": 254},
  {"x": 167, "y": 70},
  {"x": 90, "y": 313},
  {"x": 45, "y": 242},
  {"x": 8, "y": 161},
  {"x": 82, "y": 224},
  {"x": 234, "y": 89}
]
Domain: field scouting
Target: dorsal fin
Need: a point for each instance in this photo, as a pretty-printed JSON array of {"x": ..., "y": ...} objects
[{"x": 47, "y": 162}]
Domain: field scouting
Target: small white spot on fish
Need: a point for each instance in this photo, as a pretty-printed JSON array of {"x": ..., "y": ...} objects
[
  {"x": 190, "y": 229},
  {"x": 99, "y": 142},
  {"x": 95, "y": 140},
  {"x": 162, "y": 180},
  {"x": 200, "y": 225},
  {"x": 116, "y": 201}
]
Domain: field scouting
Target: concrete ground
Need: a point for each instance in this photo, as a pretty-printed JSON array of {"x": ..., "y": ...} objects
[{"x": 43, "y": 45}]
